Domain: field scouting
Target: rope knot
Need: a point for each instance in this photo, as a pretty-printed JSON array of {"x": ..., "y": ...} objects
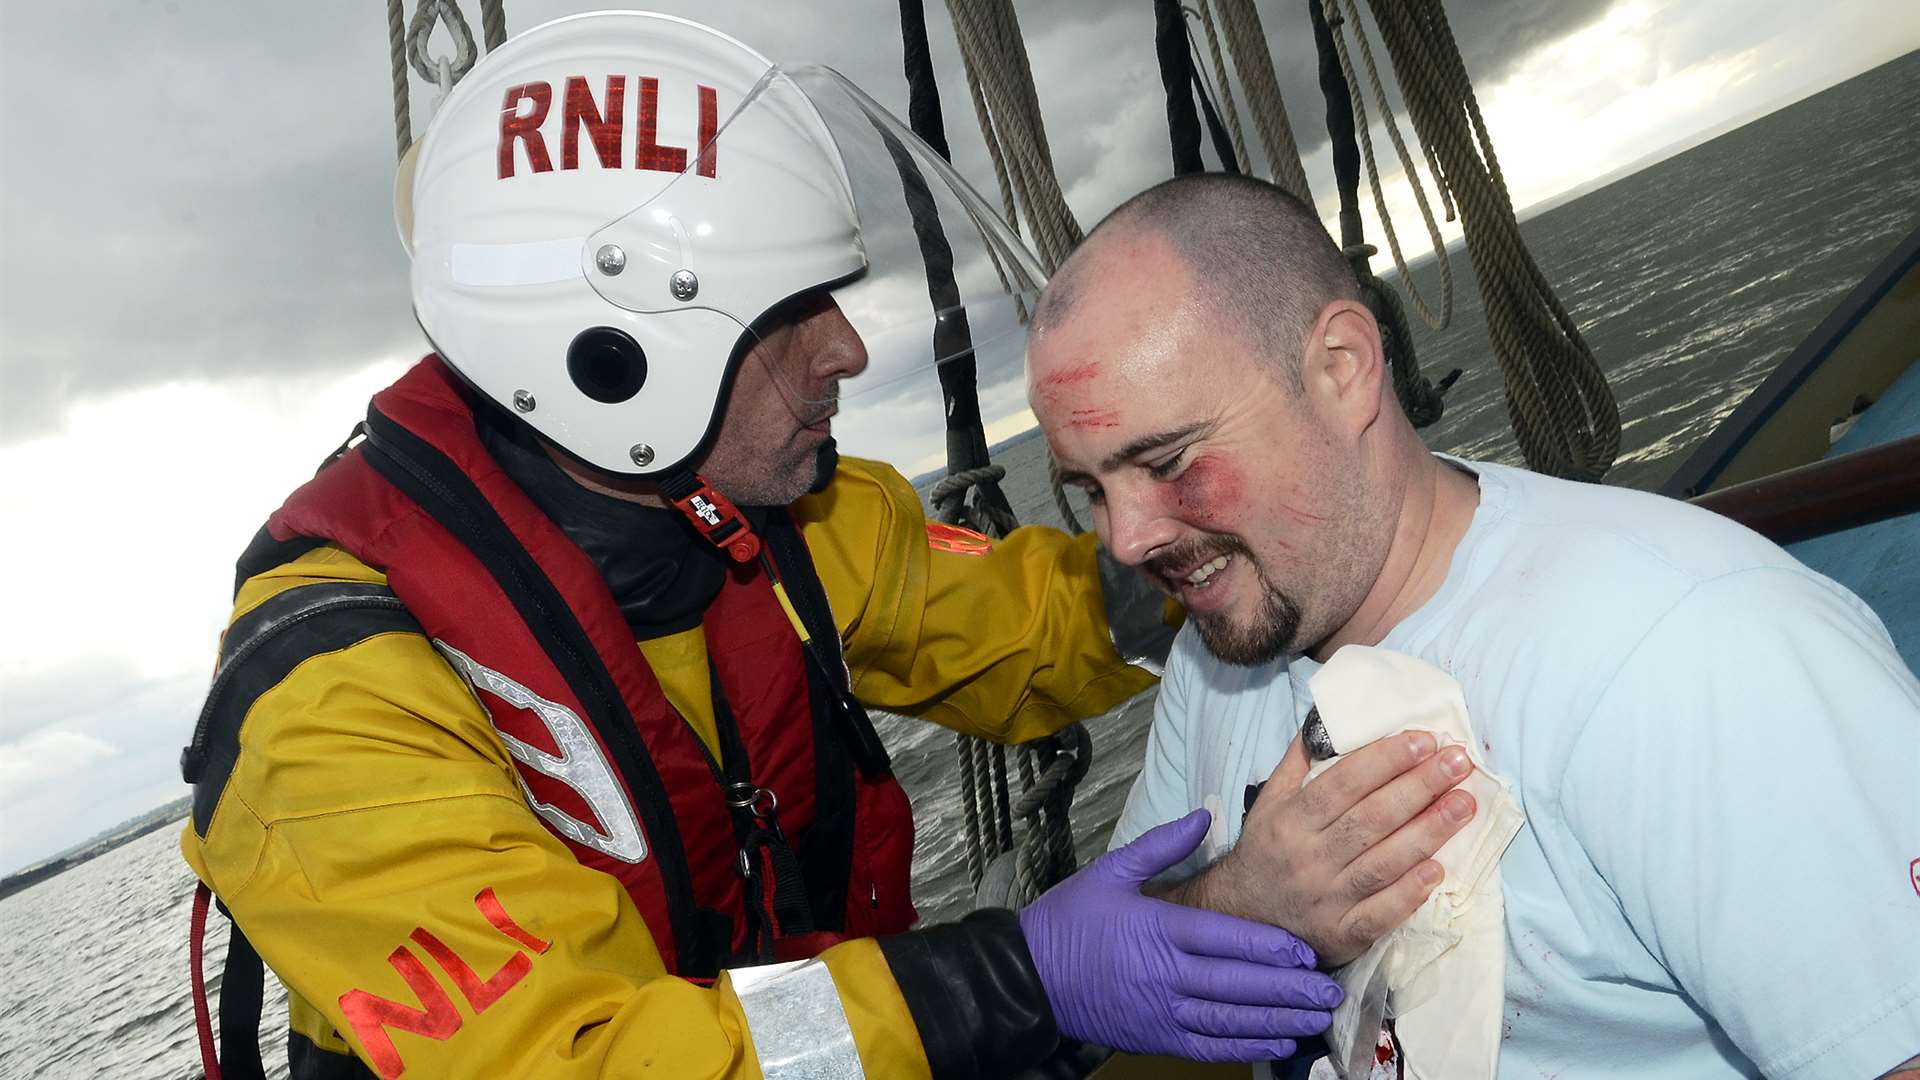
[{"x": 988, "y": 511}]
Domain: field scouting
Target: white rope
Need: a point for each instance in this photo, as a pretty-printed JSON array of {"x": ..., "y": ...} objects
[
  {"x": 1247, "y": 43},
  {"x": 1335, "y": 22},
  {"x": 1009, "y": 113},
  {"x": 1000, "y": 80}
]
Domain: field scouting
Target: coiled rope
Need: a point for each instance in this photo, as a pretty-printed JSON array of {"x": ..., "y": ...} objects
[{"x": 1562, "y": 410}]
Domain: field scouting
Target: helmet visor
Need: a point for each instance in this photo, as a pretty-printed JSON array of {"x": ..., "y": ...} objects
[{"x": 845, "y": 198}]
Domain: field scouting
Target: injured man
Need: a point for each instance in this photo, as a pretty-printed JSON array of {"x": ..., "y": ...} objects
[{"x": 1691, "y": 765}]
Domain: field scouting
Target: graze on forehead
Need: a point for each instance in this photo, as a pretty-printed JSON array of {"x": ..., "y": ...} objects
[
  {"x": 1089, "y": 419},
  {"x": 1068, "y": 375}
]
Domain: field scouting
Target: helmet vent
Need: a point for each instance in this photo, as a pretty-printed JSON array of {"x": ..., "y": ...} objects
[{"x": 606, "y": 364}]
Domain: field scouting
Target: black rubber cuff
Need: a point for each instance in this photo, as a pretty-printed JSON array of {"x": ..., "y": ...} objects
[{"x": 975, "y": 996}]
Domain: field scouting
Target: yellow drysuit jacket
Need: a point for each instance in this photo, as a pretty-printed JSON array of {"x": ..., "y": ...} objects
[{"x": 372, "y": 798}]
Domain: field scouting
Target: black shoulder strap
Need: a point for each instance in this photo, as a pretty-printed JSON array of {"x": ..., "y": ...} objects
[
  {"x": 852, "y": 726},
  {"x": 242, "y": 988},
  {"x": 264, "y": 553}
]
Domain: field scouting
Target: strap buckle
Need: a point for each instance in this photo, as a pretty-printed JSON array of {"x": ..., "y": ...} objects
[
  {"x": 714, "y": 517},
  {"x": 761, "y": 802}
]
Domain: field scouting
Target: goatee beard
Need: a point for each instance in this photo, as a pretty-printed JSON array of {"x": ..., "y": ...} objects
[{"x": 1275, "y": 625}]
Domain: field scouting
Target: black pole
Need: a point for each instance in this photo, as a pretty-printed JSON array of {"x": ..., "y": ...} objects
[
  {"x": 1346, "y": 151},
  {"x": 1176, "y": 75},
  {"x": 1216, "y": 131},
  {"x": 952, "y": 337}
]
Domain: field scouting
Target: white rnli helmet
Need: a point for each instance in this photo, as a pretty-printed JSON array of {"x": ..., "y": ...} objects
[{"x": 605, "y": 206}]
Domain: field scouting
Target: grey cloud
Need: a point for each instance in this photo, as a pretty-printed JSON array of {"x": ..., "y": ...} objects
[
  {"x": 144, "y": 723},
  {"x": 91, "y": 685},
  {"x": 213, "y": 194}
]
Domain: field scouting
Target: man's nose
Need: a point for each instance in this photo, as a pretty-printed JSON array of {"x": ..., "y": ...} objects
[
  {"x": 844, "y": 354},
  {"x": 1133, "y": 528}
]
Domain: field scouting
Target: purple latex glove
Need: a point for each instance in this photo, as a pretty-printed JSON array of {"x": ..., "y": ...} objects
[{"x": 1133, "y": 973}]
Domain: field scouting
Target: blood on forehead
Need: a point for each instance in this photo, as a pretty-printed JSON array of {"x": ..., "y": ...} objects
[
  {"x": 1077, "y": 373},
  {"x": 1069, "y": 392},
  {"x": 1090, "y": 419}
]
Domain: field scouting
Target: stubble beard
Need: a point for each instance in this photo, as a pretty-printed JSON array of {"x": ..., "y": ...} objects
[{"x": 799, "y": 472}]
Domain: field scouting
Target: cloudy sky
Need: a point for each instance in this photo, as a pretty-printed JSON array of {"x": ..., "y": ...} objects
[{"x": 200, "y": 284}]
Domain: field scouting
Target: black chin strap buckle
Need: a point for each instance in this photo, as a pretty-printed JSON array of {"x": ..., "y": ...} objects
[{"x": 712, "y": 515}]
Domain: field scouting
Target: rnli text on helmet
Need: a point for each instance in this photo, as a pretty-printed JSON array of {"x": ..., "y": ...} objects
[{"x": 579, "y": 110}]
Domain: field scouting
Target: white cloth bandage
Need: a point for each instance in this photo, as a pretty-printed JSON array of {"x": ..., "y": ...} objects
[{"x": 1441, "y": 975}]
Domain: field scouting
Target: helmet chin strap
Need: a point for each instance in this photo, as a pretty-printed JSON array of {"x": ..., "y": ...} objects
[{"x": 711, "y": 514}]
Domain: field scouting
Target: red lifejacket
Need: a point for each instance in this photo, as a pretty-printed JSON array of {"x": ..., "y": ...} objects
[{"x": 485, "y": 573}]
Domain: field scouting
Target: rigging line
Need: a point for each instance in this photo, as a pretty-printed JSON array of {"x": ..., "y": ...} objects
[
  {"x": 1562, "y": 409},
  {"x": 1361, "y": 126},
  {"x": 397, "y": 58},
  {"x": 493, "y": 23},
  {"x": 1170, "y": 46},
  {"x": 1247, "y": 44}
]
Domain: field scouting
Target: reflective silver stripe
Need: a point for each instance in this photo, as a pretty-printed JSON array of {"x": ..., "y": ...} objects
[
  {"x": 800, "y": 1029},
  {"x": 581, "y": 766},
  {"x": 535, "y": 262}
]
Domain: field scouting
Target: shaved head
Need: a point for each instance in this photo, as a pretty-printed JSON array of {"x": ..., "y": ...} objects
[{"x": 1261, "y": 258}]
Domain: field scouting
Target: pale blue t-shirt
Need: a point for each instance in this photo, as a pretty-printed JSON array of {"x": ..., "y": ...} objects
[{"x": 1718, "y": 754}]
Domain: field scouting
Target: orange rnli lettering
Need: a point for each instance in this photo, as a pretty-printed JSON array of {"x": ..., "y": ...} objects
[
  {"x": 527, "y": 106},
  {"x": 580, "y": 111},
  {"x": 955, "y": 540},
  {"x": 480, "y": 993},
  {"x": 516, "y": 126},
  {"x": 370, "y": 1015},
  {"x": 497, "y": 917}
]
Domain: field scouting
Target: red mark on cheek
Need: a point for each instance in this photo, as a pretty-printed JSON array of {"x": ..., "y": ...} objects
[
  {"x": 1093, "y": 418},
  {"x": 1209, "y": 492}
]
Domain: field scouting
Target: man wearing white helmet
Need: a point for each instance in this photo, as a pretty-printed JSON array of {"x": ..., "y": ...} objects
[{"x": 472, "y": 827}]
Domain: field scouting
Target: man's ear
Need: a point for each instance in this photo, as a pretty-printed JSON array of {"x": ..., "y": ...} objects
[{"x": 1344, "y": 365}]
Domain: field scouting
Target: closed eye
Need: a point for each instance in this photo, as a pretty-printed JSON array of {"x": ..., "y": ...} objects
[{"x": 1166, "y": 467}]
